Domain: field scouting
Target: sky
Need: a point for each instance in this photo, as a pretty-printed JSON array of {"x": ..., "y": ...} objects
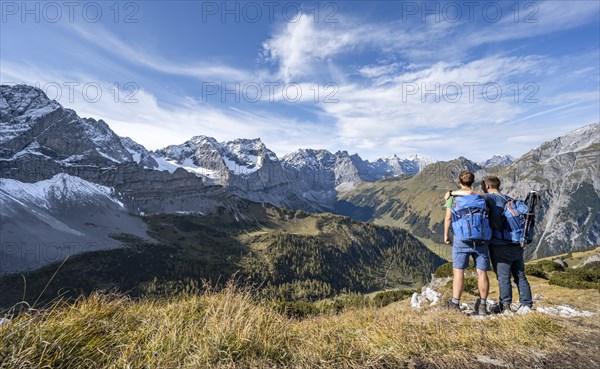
[{"x": 377, "y": 78}]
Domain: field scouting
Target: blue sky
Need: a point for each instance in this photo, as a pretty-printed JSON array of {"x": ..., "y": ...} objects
[{"x": 373, "y": 77}]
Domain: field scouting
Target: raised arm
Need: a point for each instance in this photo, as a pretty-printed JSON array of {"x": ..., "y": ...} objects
[{"x": 461, "y": 193}]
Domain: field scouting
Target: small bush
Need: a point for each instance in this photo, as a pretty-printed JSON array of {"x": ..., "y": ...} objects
[
  {"x": 549, "y": 266},
  {"x": 587, "y": 276},
  {"x": 470, "y": 286},
  {"x": 350, "y": 300},
  {"x": 543, "y": 268},
  {"x": 535, "y": 270},
  {"x": 444, "y": 271},
  {"x": 385, "y": 298},
  {"x": 298, "y": 309}
]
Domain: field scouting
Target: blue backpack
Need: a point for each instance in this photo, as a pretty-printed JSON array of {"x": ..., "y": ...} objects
[
  {"x": 470, "y": 220},
  {"x": 514, "y": 222}
]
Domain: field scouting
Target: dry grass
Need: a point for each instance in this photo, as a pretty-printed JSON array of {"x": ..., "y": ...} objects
[
  {"x": 574, "y": 258},
  {"x": 231, "y": 329}
]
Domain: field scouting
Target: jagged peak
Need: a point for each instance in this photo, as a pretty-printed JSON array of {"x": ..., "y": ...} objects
[
  {"x": 497, "y": 160},
  {"x": 246, "y": 141},
  {"x": 23, "y": 89},
  {"x": 341, "y": 153},
  {"x": 21, "y": 100},
  {"x": 199, "y": 139},
  {"x": 306, "y": 153},
  {"x": 570, "y": 142}
]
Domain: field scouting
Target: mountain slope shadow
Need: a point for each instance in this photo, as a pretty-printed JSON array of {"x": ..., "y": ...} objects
[{"x": 281, "y": 251}]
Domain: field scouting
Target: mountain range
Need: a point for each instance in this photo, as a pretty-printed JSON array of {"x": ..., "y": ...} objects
[
  {"x": 69, "y": 184},
  {"x": 564, "y": 172}
]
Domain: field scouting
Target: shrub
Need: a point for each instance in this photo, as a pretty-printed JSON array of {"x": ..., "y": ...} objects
[
  {"x": 387, "y": 297},
  {"x": 543, "y": 268},
  {"x": 535, "y": 270},
  {"x": 587, "y": 276},
  {"x": 445, "y": 270},
  {"x": 470, "y": 286},
  {"x": 549, "y": 266},
  {"x": 298, "y": 309},
  {"x": 350, "y": 300}
]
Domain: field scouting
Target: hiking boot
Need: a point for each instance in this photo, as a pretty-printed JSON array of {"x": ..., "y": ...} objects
[
  {"x": 496, "y": 309},
  {"x": 524, "y": 309},
  {"x": 480, "y": 308},
  {"x": 499, "y": 308},
  {"x": 452, "y": 306}
]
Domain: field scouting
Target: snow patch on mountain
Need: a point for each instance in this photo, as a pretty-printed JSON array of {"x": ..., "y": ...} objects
[
  {"x": 139, "y": 153},
  {"x": 309, "y": 158},
  {"x": 395, "y": 166},
  {"x": 211, "y": 160},
  {"x": 62, "y": 187}
]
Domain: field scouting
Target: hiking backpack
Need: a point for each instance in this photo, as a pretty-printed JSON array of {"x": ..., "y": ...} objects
[
  {"x": 518, "y": 219},
  {"x": 470, "y": 220}
]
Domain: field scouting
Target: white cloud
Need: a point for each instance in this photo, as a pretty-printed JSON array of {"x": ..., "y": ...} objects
[
  {"x": 373, "y": 71},
  {"x": 537, "y": 18},
  {"x": 300, "y": 45},
  {"x": 379, "y": 112},
  {"x": 206, "y": 71},
  {"x": 376, "y": 115},
  {"x": 155, "y": 126}
]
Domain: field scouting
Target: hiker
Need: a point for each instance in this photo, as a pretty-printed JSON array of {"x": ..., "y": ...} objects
[
  {"x": 468, "y": 217},
  {"x": 506, "y": 256}
]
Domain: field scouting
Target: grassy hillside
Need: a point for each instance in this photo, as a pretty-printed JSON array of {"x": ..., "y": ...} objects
[
  {"x": 233, "y": 328},
  {"x": 290, "y": 255},
  {"x": 415, "y": 203}
]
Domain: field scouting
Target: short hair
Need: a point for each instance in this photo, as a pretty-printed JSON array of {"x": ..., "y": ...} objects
[
  {"x": 492, "y": 181},
  {"x": 466, "y": 178}
]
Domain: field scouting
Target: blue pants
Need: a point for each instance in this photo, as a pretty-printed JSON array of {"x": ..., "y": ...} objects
[{"x": 508, "y": 260}]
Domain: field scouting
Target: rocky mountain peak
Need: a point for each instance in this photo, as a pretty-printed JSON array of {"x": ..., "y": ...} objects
[
  {"x": 21, "y": 100},
  {"x": 30, "y": 120},
  {"x": 498, "y": 160},
  {"x": 573, "y": 141}
]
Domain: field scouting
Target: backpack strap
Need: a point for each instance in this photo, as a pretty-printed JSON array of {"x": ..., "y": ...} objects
[
  {"x": 511, "y": 209},
  {"x": 505, "y": 197}
]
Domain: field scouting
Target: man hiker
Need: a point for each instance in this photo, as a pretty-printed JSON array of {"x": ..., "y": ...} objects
[
  {"x": 468, "y": 217},
  {"x": 506, "y": 256}
]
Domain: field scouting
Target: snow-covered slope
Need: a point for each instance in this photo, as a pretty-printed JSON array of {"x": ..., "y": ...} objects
[
  {"x": 394, "y": 166},
  {"x": 60, "y": 190},
  {"x": 139, "y": 153},
  {"x": 46, "y": 221},
  {"x": 215, "y": 161}
]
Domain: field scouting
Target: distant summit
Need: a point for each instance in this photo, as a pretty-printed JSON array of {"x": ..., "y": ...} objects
[{"x": 497, "y": 161}]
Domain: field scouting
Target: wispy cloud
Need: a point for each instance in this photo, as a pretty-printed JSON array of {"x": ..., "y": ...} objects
[
  {"x": 536, "y": 18},
  {"x": 375, "y": 67},
  {"x": 206, "y": 71},
  {"x": 157, "y": 125}
]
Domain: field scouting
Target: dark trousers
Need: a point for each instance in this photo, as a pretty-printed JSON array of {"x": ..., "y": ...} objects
[{"x": 507, "y": 260}]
